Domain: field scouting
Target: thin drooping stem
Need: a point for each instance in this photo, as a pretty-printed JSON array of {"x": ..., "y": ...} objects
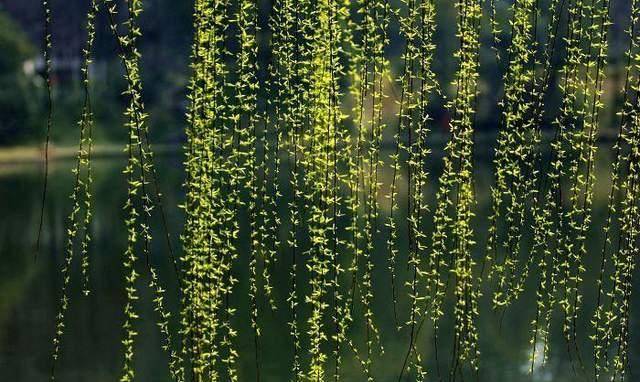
[
  {"x": 611, "y": 318},
  {"x": 139, "y": 172},
  {"x": 419, "y": 86},
  {"x": 515, "y": 186},
  {"x": 455, "y": 198},
  {"x": 79, "y": 218},
  {"x": 46, "y": 55}
]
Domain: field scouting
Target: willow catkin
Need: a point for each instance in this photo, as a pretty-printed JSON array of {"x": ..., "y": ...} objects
[{"x": 79, "y": 219}]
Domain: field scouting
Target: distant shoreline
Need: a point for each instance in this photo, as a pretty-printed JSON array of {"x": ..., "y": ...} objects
[
  {"x": 35, "y": 154},
  {"x": 30, "y": 154}
]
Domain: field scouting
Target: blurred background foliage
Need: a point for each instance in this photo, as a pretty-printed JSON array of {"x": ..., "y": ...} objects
[
  {"x": 18, "y": 112},
  {"x": 166, "y": 46}
]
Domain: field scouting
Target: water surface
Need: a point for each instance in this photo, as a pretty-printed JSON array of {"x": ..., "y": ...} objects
[{"x": 30, "y": 290}]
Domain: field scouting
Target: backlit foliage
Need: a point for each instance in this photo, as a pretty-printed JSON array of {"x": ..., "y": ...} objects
[
  {"x": 46, "y": 56},
  {"x": 611, "y": 320},
  {"x": 515, "y": 158},
  {"x": 288, "y": 83},
  {"x": 453, "y": 240},
  {"x": 79, "y": 219},
  {"x": 418, "y": 84},
  {"x": 321, "y": 141},
  {"x": 563, "y": 222},
  {"x": 369, "y": 72},
  {"x": 212, "y": 185},
  {"x": 309, "y": 142},
  {"x": 142, "y": 199}
]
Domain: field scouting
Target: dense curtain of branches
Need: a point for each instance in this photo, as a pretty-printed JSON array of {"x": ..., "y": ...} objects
[{"x": 306, "y": 154}]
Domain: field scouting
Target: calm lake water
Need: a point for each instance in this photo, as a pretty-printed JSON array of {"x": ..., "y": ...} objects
[{"x": 30, "y": 289}]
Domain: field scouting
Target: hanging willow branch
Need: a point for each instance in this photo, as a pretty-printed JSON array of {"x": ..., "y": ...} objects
[
  {"x": 275, "y": 118},
  {"x": 320, "y": 141},
  {"x": 245, "y": 150},
  {"x": 291, "y": 27},
  {"x": 516, "y": 175},
  {"x": 418, "y": 86},
  {"x": 215, "y": 175},
  {"x": 611, "y": 318},
  {"x": 140, "y": 173},
  {"x": 542, "y": 223},
  {"x": 240, "y": 148},
  {"x": 79, "y": 218},
  {"x": 574, "y": 150},
  {"x": 369, "y": 71},
  {"x": 453, "y": 235},
  {"x": 46, "y": 55}
]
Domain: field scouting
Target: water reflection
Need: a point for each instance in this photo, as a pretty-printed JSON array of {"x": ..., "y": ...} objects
[{"x": 29, "y": 293}]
